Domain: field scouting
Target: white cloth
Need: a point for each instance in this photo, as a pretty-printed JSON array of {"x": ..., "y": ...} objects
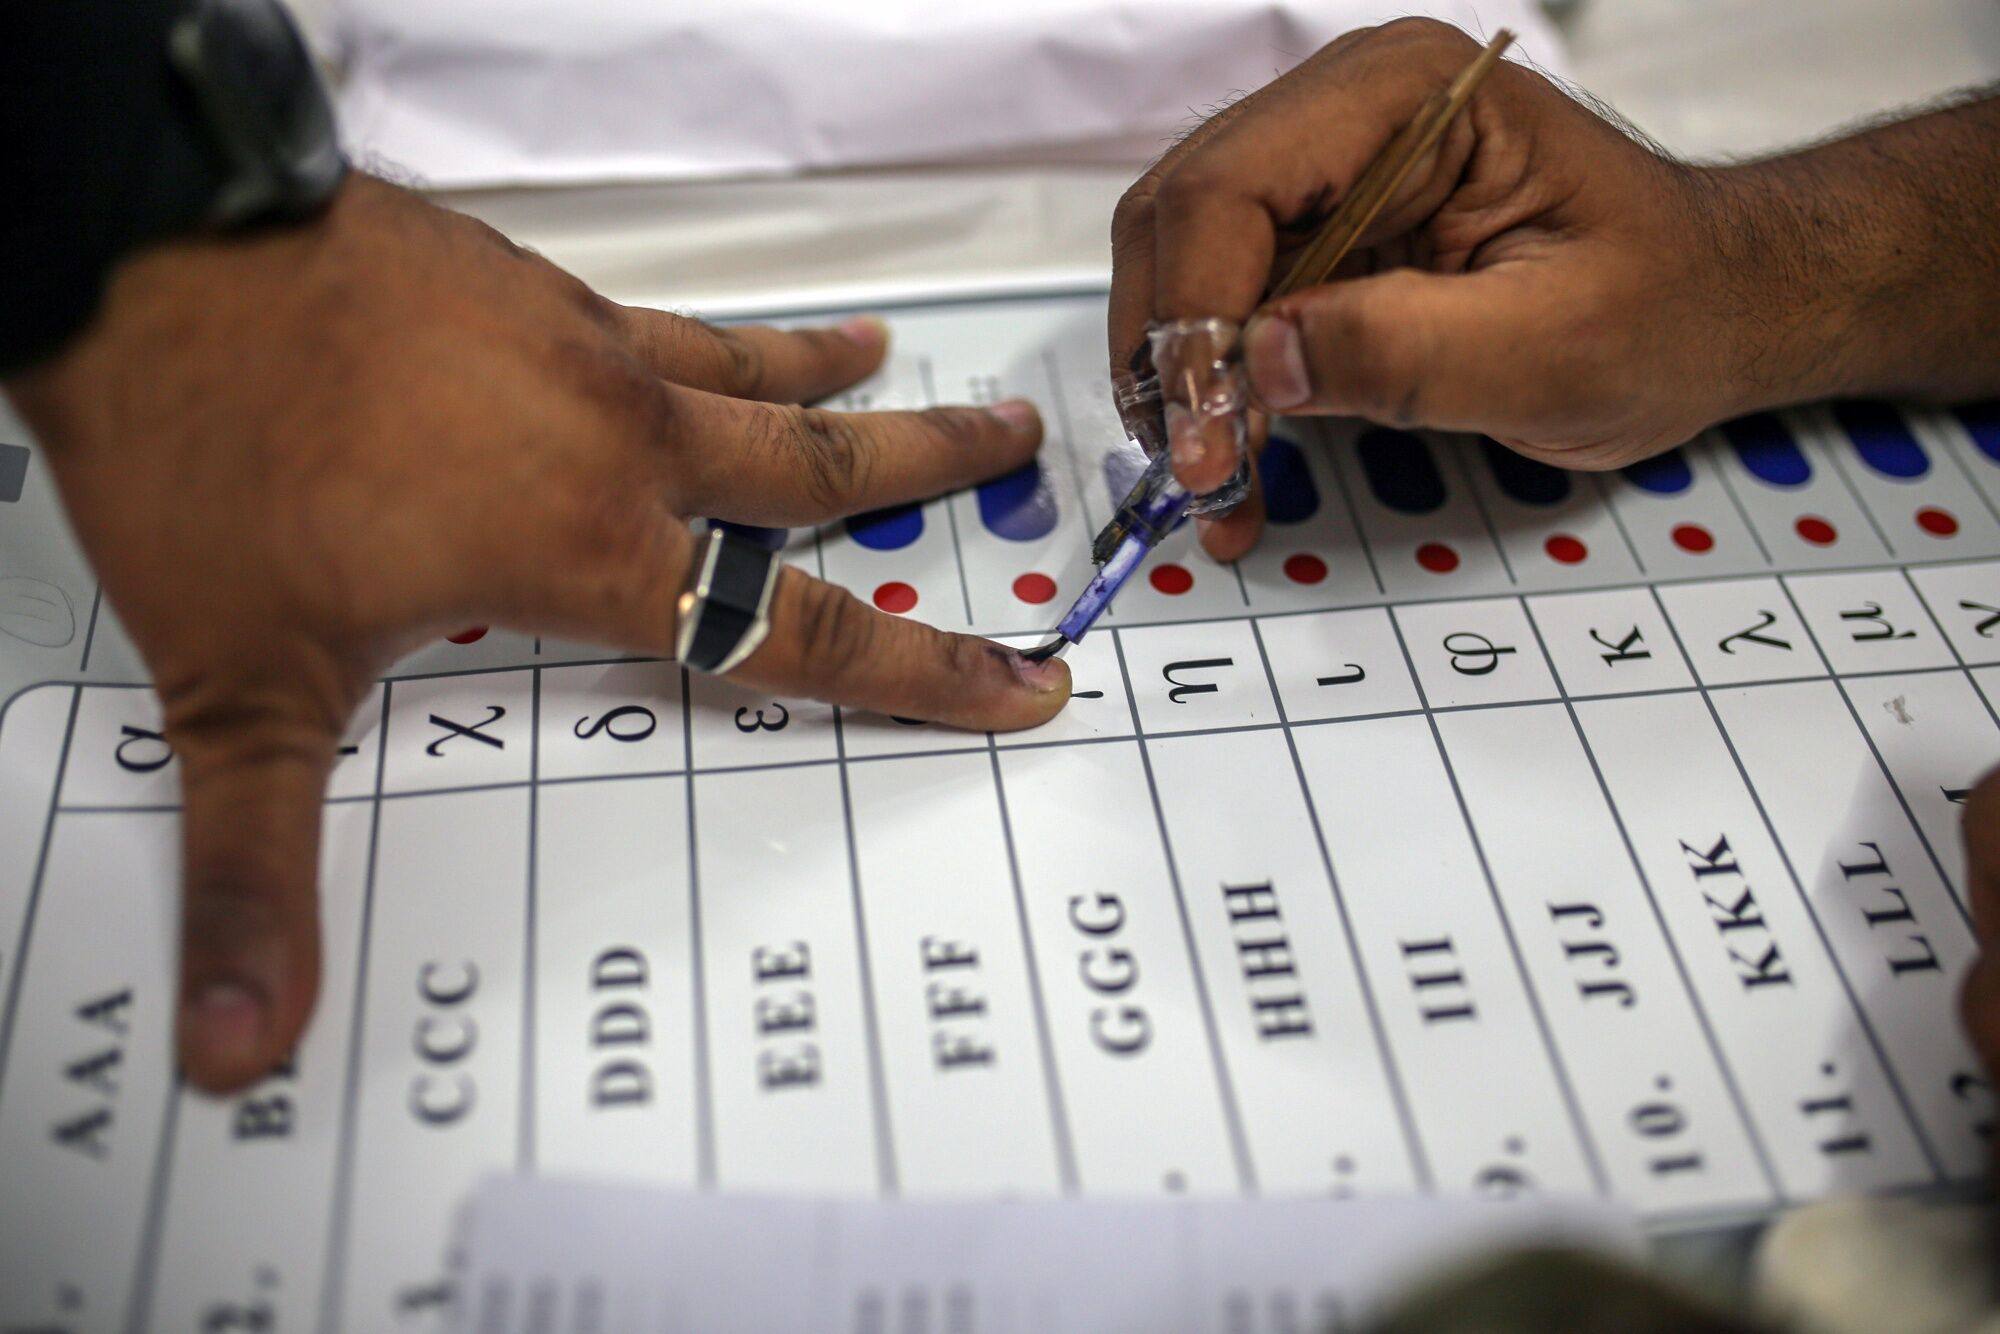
[{"x": 493, "y": 92}]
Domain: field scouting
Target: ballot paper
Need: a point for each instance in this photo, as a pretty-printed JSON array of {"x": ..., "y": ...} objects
[
  {"x": 1489, "y": 830},
  {"x": 561, "y": 1256},
  {"x": 485, "y": 92}
]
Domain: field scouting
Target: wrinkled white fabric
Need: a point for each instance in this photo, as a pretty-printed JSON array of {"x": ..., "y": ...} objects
[{"x": 487, "y": 92}]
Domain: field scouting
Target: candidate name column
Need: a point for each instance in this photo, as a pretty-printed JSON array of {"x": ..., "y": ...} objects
[
  {"x": 791, "y": 1053},
  {"x": 963, "y": 1061},
  {"x": 88, "y": 1072},
  {"x": 617, "y": 1086},
  {"x": 1299, "y": 1042},
  {"x": 437, "y": 1098},
  {"x": 1485, "y": 1087},
  {"x": 1142, "y": 1092}
]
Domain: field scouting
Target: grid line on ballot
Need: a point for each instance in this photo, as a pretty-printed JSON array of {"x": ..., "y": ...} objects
[
  {"x": 1599, "y": 487},
  {"x": 885, "y": 1149},
  {"x": 704, "y": 1102},
  {"x": 1489, "y": 829},
  {"x": 524, "y": 1154},
  {"x": 335, "y": 1243},
  {"x": 929, "y": 377},
  {"x": 1847, "y": 482},
  {"x": 1058, "y": 1113}
]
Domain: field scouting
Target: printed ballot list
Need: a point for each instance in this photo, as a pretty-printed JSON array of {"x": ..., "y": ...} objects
[
  {"x": 544, "y": 1255},
  {"x": 1489, "y": 831}
]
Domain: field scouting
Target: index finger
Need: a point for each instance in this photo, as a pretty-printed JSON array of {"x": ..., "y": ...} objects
[
  {"x": 828, "y": 644},
  {"x": 619, "y": 583}
]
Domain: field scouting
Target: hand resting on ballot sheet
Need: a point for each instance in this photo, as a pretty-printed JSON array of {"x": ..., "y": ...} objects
[{"x": 295, "y": 455}]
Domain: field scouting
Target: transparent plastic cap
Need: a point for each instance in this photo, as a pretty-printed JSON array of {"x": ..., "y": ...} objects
[{"x": 1194, "y": 397}]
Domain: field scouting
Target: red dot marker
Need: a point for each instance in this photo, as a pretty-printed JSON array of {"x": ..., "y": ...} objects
[
  {"x": 1034, "y": 589},
  {"x": 1816, "y": 530},
  {"x": 1437, "y": 558},
  {"x": 469, "y": 636},
  {"x": 1565, "y": 550},
  {"x": 1936, "y": 522},
  {"x": 1304, "y": 568},
  {"x": 895, "y": 596},
  {"x": 1173, "y": 580},
  {"x": 1693, "y": 537}
]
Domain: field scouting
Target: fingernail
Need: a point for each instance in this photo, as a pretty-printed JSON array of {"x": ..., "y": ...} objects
[
  {"x": 1276, "y": 361},
  {"x": 1045, "y": 677},
  {"x": 867, "y": 331},
  {"x": 1018, "y": 415},
  {"x": 1184, "y": 442},
  {"x": 226, "y": 1020}
]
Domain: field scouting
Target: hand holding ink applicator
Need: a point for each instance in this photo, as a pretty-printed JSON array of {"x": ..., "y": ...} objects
[{"x": 1195, "y": 401}]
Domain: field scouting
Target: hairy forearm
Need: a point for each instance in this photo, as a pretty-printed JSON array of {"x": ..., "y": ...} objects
[{"x": 1870, "y": 264}]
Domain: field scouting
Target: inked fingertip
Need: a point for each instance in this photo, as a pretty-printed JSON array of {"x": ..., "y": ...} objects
[{"x": 1044, "y": 676}]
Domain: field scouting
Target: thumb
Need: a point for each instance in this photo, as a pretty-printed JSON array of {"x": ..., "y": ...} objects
[
  {"x": 249, "y": 902},
  {"x": 1460, "y": 351}
]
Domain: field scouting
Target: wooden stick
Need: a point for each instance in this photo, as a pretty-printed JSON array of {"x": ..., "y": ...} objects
[{"x": 1385, "y": 175}]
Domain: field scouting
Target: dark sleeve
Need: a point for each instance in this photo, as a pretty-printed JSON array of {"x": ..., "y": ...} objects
[{"x": 98, "y": 156}]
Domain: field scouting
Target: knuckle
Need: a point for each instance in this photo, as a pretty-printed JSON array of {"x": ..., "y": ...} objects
[
  {"x": 1419, "y": 31},
  {"x": 230, "y": 894},
  {"x": 961, "y": 657},
  {"x": 653, "y": 335},
  {"x": 1132, "y": 218},
  {"x": 830, "y": 454},
  {"x": 836, "y": 633},
  {"x": 218, "y": 720},
  {"x": 1181, "y": 189}
]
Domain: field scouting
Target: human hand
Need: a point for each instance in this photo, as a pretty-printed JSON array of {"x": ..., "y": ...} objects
[
  {"x": 297, "y": 455},
  {"x": 1539, "y": 277}
]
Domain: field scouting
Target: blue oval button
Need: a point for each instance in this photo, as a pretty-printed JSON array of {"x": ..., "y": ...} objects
[
  {"x": 1664, "y": 474},
  {"x": 1400, "y": 471},
  {"x": 1882, "y": 438},
  {"x": 1767, "y": 449},
  {"x": 889, "y": 529},
  {"x": 1020, "y": 506},
  {"x": 1982, "y": 422},
  {"x": 1290, "y": 494},
  {"x": 1524, "y": 479}
]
